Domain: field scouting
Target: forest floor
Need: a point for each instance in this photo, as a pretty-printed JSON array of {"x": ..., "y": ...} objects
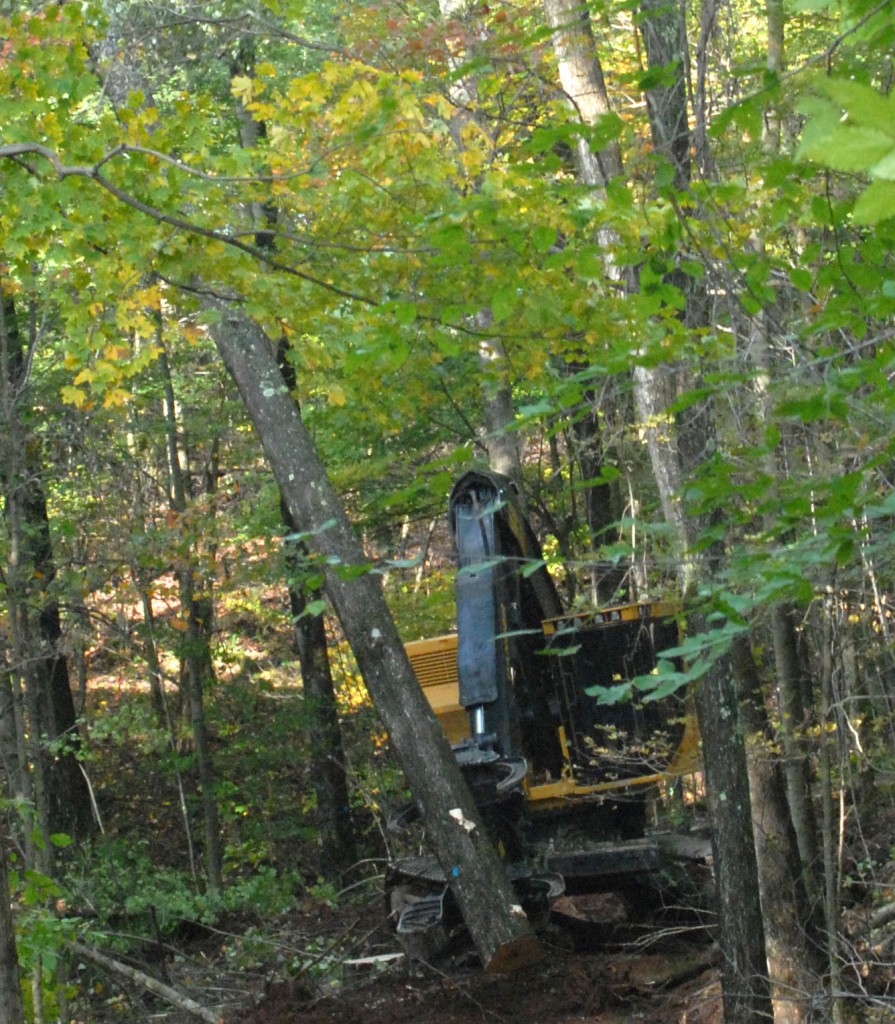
[
  {"x": 668, "y": 983},
  {"x": 334, "y": 960}
]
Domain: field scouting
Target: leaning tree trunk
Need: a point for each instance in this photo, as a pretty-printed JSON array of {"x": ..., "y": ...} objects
[{"x": 495, "y": 920}]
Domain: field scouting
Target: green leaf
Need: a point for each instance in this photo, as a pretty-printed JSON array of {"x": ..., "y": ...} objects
[
  {"x": 607, "y": 128},
  {"x": 609, "y": 694},
  {"x": 885, "y": 168},
  {"x": 530, "y": 568},
  {"x": 405, "y": 313},
  {"x": 801, "y": 278},
  {"x": 543, "y": 237},
  {"x": 876, "y": 203},
  {"x": 589, "y": 263},
  {"x": 847, "y": 147},
  {"x": 863, "y": 104},
  {"x": 503, "y": 302}
]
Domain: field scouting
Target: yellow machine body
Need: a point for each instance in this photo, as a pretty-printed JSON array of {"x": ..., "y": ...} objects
[{"x": 435, "y": 664}]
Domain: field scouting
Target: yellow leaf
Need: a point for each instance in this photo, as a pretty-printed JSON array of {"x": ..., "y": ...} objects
[
  {"x": 181, "y": 625},
  {"x": 73, "y": 396},
  {"x": 336, "y": 394},
  {"x": 277, "y": 135},
  {"x": 263, "y": 111},
  {"x": 191, "y": 333},
  {"x": 115, "y": 397},
  {"x": 241, "y": 87},
  {"x": 116, "y": 352}
]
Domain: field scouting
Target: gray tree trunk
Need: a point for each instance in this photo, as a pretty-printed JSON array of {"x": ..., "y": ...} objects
[
  {"x": 794, "y": 728},
  {"x": 676, "y": 453},
  {"x": 489, "y": 906},
  {"x": 665, "y": 40}
]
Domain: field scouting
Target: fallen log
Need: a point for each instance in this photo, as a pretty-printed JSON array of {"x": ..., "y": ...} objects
[{"x": 147, "y": 982}]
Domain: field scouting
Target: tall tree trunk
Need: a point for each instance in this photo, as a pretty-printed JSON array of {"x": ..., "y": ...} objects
[
  {"x": 11, "y": 1008},
  {"x": 708, "y": 13},
  {"x": 794, "y": 727},
  {"x": 328, "y": 764},
  {"x": 832, "y": 821},
  {"x": 196, "y": 660},
  {"x": 792, "y": 685},
  {"x": 500, "y": 441},
  {"x": 792, "y": 938},
  {"x": 35, "y": 621},
  {"x": 582, "y": 80},
  {"x": 587, "y": 451},
  {"x": 337, "y": 845},
  {"x": 775, "y": 13},
  {"x": 746, "y": 993},
  {"x": 745, "y": 987},
  {"x": 496, "y": 922}
]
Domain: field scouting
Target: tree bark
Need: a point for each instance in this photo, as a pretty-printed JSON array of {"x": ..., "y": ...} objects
[
  {"x": 495, "y": 920},
  {"x": 745, "y": 987},
  {"x": 744, "y": 971},
  {"x": 673, "y": 454},
  {"x": 775, "y": 13},
  {"x": 500, "y": 441},
  {"x": 793, "y": 729}
]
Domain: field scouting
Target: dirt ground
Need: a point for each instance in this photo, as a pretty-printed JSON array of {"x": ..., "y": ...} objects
[{"x": 665, "y": 978}]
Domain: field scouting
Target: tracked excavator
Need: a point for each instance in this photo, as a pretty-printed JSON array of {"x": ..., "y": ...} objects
[{"x": 562, "y": 779}]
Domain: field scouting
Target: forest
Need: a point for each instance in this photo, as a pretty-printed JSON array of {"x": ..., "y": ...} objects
[{"x": 273, "y": 276}]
